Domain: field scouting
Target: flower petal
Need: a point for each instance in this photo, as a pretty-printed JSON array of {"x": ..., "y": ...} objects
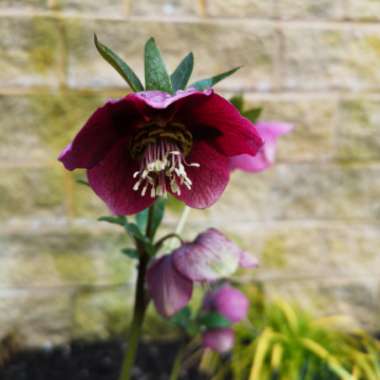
[
  {"x": 229, "y": 302},
  {"x": 266, "y": 155},
  {"x": 210, "y": 257},
  {"x": 169, "y": 290},
  {"x": 102, "y": 130},
  {"x": 219, "y": 340},
  {"x": 112, "y": 180},
  {"x": 208, "y": 180},
  {"x": 234, "y": 133},
  {"x": 247, "y": 260}
]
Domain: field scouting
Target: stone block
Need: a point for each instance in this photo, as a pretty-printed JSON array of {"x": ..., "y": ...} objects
[
  {"x": 364, "y": 10},
  {"x": 36, "y": 318},
  {"x": 359, "y": 130},
  {"x": 168, "y": 8},
  {"x": 241, "y": 8},
  {"x": 321, "y": 59},
  {"x": 33, "y": 191},
  {"x": 102, "y": 8},
  {"x": 310, "y": 9},
  {"x": 217, "y": 47},
  {"x": 73, "y": 258},
  {"x": 314, "y": 127},
  {"x": 31, "y": 52}
]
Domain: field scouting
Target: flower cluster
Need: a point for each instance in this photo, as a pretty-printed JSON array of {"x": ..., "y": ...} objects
[{"x": 231, "y": 304}]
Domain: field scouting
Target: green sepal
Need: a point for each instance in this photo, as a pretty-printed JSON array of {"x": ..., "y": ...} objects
[
  {"x": 182, "y": 317},
  {"x": 157, "y": 215},
  {"x": 130, "y": 252},
  {"x": 119, "y": 220},
  {"x": 209, "y": 82},
  {"x": 156, "y": 76},
  {"x": 214, "y": 320},
  {"x": 182, "y": 73},
  {"x": 142, "y": 220},
  {"x": 252, "y": 114},
  {"x": 82, "y": 182},
  {"x": 119, "y": 65},
  {"x": 238, "y": 102}
]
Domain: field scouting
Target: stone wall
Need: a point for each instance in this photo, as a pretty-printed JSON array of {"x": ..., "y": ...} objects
[{"x": 313, "y": 219}]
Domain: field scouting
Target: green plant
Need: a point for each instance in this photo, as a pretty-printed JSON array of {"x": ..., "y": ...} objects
[{"x": 284, "y": 342}]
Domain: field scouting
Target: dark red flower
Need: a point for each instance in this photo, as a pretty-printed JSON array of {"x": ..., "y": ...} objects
[{"x": 150, "y": 143}]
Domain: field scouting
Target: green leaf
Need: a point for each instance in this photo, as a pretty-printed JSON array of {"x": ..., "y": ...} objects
[
  {"x": 214, "y": 320},
  {"x": 238, "y": 102},
  {"x": 130, "y": 252},
  {"x": 253, "y": 114},
  {"x": 182, "y": 73},
  {"x": 119, "y": 65},
  {"x": 142, "y": 220},
  {"x": 207, "y": 83},
  {"x": 135, "y": 232},
  {"x": 120, "y": 220},
  {"x": 157, "y": 214},
  {"x": 156, "y": 76}
]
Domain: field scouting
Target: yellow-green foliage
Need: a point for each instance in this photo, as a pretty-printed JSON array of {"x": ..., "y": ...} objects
[{"x": 283, "y": 342}]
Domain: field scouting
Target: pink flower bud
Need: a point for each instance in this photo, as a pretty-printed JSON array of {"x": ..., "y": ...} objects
[
  {"x": 229, "y": 302},
  {"x": 220, "y": 340}
]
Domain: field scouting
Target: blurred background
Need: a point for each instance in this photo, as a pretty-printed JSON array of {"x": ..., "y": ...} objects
[{"x": 313, "y": 219}]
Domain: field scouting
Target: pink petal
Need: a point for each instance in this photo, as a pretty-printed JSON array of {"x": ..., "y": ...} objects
[
  {"x": 219, "y": 340},
  {"x": 247, "y": 260},
  {"x": 169, "y": 289},
  {"x": 102, "y": 130},
  {"x": 210, "y": 257},
  {"x": 162, "y": 100},
  {"x": 209, "y": 180},
  {"x": 233, "y": 134},
  {"x": 229, "y": 302},
  {"x": 112, "y": 180},
  {"x": 265, "y": 158}
]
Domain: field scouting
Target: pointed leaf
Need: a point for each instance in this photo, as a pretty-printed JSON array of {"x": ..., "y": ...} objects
[
  {"x": 120, "y": 220},
  {"x": 253, "y": 114},
  {"x": 82, "y": 182},
  {"x": 130, "y": 252},
  {"x": 135, "y": 232},
  {"x": 182, "y": 73},
  {"x": 142, "y": 219},
  {"x": 238, "y": 102},
  {"x": 119, "y": 65},
  {"x": 156, "y": 76},
  {"x": 207, "y": 83}
]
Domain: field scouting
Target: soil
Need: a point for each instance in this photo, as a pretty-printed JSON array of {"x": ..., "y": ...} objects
[{"x": 92, "y": 361}]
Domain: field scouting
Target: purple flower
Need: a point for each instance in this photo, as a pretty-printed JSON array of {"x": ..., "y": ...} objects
[
  {"x": 211, "y": 256},
  {"x": 229, "y": 302},
  {"x": 151, "y": 143},
  {"x": 219, "y": 340},
  {"x": 265, "y": 157}
]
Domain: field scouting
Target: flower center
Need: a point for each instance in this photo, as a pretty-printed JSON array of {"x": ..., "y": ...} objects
[{"x": 161, "y": 152}]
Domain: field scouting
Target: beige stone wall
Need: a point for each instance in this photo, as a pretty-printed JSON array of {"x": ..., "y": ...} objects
[{"x": 313, "y": 219}]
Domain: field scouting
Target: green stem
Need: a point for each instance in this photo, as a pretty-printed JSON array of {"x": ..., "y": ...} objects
[
  {"x": 177, "y": 365},
  {"x": 137, "y": 321},
  {"x": 140, "y": 306}
]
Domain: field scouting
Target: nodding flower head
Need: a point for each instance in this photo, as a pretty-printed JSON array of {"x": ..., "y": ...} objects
[{"x": 151, "y": 143}]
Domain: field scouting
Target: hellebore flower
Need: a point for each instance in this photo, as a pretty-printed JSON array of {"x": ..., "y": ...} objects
[
  {"x": 229, "y": 302},
  {"x": 211, "y": 256},
  {"x": 151, "y": 143},
  {"x": 269, "y": 132},
  {"x": 219, "y": 340},
  {"x": 233, "y": 305}
]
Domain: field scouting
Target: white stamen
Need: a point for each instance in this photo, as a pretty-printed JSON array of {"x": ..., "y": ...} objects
[{"x": 162, "y": 166}]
